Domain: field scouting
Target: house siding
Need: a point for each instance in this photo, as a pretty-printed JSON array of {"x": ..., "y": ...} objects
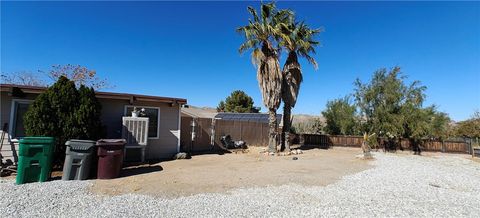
[
  {"x": 167, "y": 143},
  {"x": 9, "y": 149},
  {"x": 112, "y": 111}
]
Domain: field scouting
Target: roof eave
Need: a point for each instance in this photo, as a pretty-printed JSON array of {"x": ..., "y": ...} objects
[{"x": 102, "y": 95}]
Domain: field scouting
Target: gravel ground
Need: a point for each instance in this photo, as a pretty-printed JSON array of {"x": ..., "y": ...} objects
[{"x": 398, "y": 186}]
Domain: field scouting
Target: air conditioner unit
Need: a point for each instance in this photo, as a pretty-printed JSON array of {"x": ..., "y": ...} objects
[{"x": 135, "y": 132}]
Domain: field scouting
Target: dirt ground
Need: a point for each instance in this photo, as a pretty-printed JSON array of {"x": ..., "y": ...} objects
[{"x": 219, "y": 173}]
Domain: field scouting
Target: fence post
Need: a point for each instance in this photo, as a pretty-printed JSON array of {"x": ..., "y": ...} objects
[
  {"x": 241, "y": 131},
  {"x": 261, "y": 135},
  {"x": 468, "y": 145},
  {"x": 212, "y": 137}
]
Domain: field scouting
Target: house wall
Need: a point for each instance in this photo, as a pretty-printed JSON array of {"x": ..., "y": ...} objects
[
  {"x": 165, "y": 146},
  {"x": 169, "y": 132},
  {"x": 9, "y": 148}
]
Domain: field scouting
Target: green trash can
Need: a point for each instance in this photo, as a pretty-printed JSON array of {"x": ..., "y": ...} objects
[
  {"x": 78, "y": 159},
  {"x": 35, "y": 159}
]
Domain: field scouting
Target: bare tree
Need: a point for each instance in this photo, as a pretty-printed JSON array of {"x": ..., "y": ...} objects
[
  {"x": 79, "y": 74},
  {"x": 23, "y": 78}
]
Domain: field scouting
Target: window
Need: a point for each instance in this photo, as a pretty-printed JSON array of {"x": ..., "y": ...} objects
[
  {"x": 153, "y": 113},
  {"x": 19, "y": 108}
]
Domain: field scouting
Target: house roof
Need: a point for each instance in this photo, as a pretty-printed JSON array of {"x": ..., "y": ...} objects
[
  {"x": 250, "y": 117},
  {"x": 199, "y": 112},
  {"x": 104, "y": 95}
]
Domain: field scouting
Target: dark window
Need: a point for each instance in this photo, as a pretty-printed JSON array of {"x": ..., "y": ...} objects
[
  {"x": 19, "y": 110},
  {"x": 152, "y": 114}
]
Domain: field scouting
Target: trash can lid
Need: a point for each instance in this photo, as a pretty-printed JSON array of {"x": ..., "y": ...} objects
[
  {"x": 80, "y": 144},
  {"x": 37, "y": 140},
  {"x": 78, "y": 141},
  {"x": 111, "y": 142}
]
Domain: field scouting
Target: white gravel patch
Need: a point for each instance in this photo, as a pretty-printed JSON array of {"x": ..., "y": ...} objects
[{"x": 398, "y": 186}]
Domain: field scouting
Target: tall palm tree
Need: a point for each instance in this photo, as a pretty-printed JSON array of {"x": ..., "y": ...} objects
[
  {"x": 262, "y": 35},
  {"x": 299, "y": 42}
]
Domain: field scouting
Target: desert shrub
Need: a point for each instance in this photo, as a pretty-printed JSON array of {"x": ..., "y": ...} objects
[{"x": 312, "y": 126}]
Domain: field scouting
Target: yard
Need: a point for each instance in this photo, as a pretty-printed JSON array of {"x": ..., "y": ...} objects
[{"x": 320, "y": 183}]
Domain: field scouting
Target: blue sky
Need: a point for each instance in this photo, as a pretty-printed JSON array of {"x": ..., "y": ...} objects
[{"x": 189, "y": 49}]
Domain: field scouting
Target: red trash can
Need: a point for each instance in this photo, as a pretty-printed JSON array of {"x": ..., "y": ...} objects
[{"x": 110, "y": 158}]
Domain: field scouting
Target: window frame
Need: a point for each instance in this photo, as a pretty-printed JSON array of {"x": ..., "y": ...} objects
[
  {"x": 13, "y": 114},
  {"x": 149, "y": 107}
]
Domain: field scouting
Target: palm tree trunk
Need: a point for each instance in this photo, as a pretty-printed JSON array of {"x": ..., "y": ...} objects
[
  {"x": 292, "y": 77},
  {"x": 286, "y": 126},
  {"x": 272, "y": 131},
  {"x": 270, "y": 83}
]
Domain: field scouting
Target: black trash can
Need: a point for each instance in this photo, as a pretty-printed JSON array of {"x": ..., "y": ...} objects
[
  {"x": 110, "y": 157},
  {"x": 78, "y": 159}
]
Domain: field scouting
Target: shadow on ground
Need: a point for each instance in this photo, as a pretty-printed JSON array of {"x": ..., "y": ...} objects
[
  {"x": 310, "y": 147},
  {"x": 218, "y": 152},
  {"x": 142, "y": 169}
]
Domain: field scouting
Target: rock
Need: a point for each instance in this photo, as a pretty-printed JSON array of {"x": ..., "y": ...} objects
[
  {"x": 181, "y": 155},
  {"x": 299, "y": 151},
  {"x": 294, "y": 158},
  {"x": 367, "y": 155}
]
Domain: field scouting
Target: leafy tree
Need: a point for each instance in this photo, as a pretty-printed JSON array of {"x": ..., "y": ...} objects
[
  {"x": 391, "y": 108},
  {"x": 439, "y": 127},
  {"x": 469, "y": 128},
  {"x": 262, "y": 34},
  {"x": 381, "y": 101},
  {"x": 65, "y": 113},
  {"x": 423, "y": 123},
  {"x": 340, "y": 117},
  {"x": 299, "y": 41},
  {"x": 416, "y": 125},
  {"x": 238, "y": 102},
  {"x": 221, "y": 106}
]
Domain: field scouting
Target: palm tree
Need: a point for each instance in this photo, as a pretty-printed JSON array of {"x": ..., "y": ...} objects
[
  {"x": 262, "y": 35},
  {"x": 299, "y": 42}
]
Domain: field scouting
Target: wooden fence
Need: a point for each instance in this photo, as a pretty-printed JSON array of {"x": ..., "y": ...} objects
[
  {"x": 209, "y": 131},
  {"x": 253, "y": 133},
  {"x": 201, "y": 140},
  {"x": 323, "y": 141}
]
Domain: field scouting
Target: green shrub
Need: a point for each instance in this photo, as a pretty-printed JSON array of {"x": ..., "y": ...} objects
[
  {"x": 65, "y": 113},
  {"x": 88, "y": 115}
]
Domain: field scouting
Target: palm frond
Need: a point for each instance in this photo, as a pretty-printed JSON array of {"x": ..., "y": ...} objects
[
  {"x": 311, "y": 60},
  {"x": 257, "y": 57},
  {"x": 301, "y": 40},
  {"x": 248, "y": 44},
  {"x": 267, "y": 9},
  {"x": 253, "y": 12}
]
